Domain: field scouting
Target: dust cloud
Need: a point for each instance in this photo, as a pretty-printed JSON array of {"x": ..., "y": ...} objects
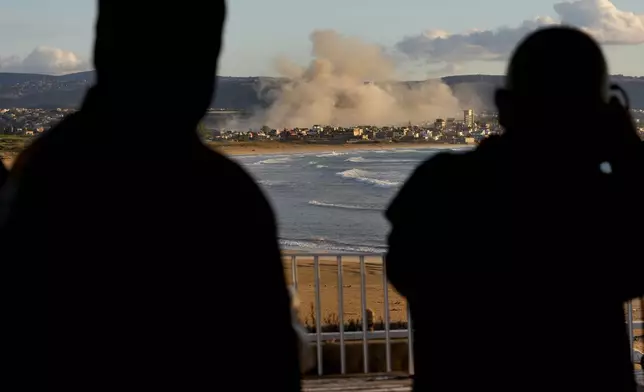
[{"x": 352, "y": 82}]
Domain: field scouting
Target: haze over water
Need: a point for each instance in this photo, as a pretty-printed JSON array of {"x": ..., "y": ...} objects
[{"x": 334, "y": 202}]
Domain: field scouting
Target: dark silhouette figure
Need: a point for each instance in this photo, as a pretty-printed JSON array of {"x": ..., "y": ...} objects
[
  {"x": 516, "y": 257},
  {"x": 155, "y": 259}
]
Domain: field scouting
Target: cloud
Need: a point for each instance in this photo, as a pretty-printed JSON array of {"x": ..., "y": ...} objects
[
  {"x": 45, "y": 60},
  {"x": 600, "y": 18}
]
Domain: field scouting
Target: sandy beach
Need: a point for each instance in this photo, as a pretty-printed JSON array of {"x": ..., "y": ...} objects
[
  {"x": 267, "y": 148},
  {"x": 351, "y": 284},
  {"x": 7, "y": 159},
  {"x": 352, "y": 289},
  {"x": 260, "y": 148}
]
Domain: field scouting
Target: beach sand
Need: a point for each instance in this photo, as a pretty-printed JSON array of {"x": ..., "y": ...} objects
[
  {"x": 352, "y": 290},
  {"x": 7, "y": 160},
  {"x": 267, "y": 148},
  {"x": 260, "y": 148}
]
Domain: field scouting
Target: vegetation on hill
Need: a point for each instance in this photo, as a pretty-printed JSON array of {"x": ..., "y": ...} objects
[{"x": 248, "y": 93}]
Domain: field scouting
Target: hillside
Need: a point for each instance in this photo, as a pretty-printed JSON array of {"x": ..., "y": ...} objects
[{"x": 67, "y": 91}]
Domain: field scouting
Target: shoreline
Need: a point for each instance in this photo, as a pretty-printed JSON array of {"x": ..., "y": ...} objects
[
  {"x": 274, "y": 148},
  {"x": 278, "y": 148}
]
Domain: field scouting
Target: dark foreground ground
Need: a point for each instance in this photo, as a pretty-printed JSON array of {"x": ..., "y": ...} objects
[
  {"x": 357, "y": 384},
  {"x": 376, "y": 384}
]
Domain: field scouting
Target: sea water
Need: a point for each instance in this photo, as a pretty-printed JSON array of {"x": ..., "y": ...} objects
[{"x": 335, "y": 201}]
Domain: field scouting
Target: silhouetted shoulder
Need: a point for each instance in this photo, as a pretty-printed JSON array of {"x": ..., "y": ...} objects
[
  {"x": 57, "y": 140},
  {"x": 32, "y": 170},
  {"x": 429, "y": 179},
  {"x": 229, "y": 172},
  {"x": 223, "y": 177}
]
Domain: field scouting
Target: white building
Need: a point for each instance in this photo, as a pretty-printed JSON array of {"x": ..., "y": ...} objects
[{"x": 468, "y": 118}]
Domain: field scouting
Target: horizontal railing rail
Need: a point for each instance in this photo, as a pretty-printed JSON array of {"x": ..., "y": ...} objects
[
  {"x": 319, "y": 337},
  {"x": 358, "y": 335},
  {"x": 396, "y": 333}
]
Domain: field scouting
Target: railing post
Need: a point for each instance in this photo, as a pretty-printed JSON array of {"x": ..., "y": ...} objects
[
  {"x": 410, "y": 340},
  {"x": 365, "y": 335},
  {"x": 294, "y": 271},
  {"x": 631, "y": 339},
  {"x": 363, "y": 306},
  {"x": 343, "y": 364},
  {"x": 385, "y": 286},
  {"x": 318, "y": 313}
]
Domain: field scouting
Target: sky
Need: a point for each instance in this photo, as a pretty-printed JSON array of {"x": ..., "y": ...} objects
[{"x": 428, "y": 38}]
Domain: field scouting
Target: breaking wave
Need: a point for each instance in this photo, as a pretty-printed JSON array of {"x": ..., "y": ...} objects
[
  {"x": 344, "y": 206},
  {"x": 329, "y": 246},
  {"x": 331, "y": 154},
  {"x": 270, "y": 183},
  {"x": 273, "y": 161},
  {"x": 365, "y": 160},
  {"x": 368, "y": 177}
]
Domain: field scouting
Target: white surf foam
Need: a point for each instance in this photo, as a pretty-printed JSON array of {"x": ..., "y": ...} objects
[
  {"x": 331, "y": 154},
  {"x": 328, "y": 246},
  {"x": 368, "y": 177},
  {"x": 342, "y": 206},
  {"x": 366, "y": 160},
  {"x": 273, "y": 161}
]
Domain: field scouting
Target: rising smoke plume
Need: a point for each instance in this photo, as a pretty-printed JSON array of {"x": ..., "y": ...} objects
[{"x": 349, "y": 82}]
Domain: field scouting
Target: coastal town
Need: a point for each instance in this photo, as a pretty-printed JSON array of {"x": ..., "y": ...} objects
[{"x": 469, "y": 128}]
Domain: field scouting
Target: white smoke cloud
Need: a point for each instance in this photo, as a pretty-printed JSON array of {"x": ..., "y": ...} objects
[
  {"x": 600, "y": 18},
  {"x": 45, "y": 60},
  {"x": 336, "y": 89}
]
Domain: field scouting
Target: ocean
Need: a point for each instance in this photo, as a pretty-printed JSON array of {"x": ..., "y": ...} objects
[{"x": 334, "y": 201}]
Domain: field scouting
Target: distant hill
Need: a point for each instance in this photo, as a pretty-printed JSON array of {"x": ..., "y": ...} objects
[{"x": 46, "y": 91}]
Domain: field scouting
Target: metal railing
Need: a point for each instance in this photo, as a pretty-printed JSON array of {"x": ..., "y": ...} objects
[
  {"x": 365, "y": 335},
  {"x": 387, "y": 334}
]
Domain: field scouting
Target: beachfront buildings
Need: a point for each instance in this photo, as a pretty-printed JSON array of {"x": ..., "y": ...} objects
[{"x": 473, "y": 127}]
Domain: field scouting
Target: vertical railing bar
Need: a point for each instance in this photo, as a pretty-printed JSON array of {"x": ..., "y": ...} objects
[
  {"x": 318, "y": 313},
  {"x": 363, "y": 306},
  {"x": 631, "y": 339},
  {"x": 410, "y": 340},
  {"x": 294, "y": 272},
  {"x": 343, "y": 364},
  {"x": 385, "y": 285}
]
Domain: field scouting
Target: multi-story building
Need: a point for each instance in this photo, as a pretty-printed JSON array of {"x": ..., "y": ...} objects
[{"x": 468, "y": 118}]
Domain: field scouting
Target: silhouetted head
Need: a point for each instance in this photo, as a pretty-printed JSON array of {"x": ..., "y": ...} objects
[
  {"x": 159, "y": 62},
  {"x": 557, "y": 78}
]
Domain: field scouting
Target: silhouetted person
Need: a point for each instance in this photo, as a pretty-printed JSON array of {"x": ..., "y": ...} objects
[
  {"x": 155, "y": 259},
  {"x": 516, "y": 257}
]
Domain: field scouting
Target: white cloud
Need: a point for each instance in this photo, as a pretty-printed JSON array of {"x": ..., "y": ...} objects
[
  {"x": 45, "y": 60},
  {"x": 600, "y": 18}
]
